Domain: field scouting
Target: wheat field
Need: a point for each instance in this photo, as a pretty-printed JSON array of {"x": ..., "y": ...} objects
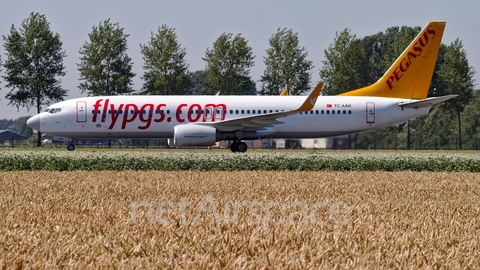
[{"x": 242, "y": 220}]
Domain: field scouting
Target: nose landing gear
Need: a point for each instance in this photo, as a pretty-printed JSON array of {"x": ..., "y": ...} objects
[
  {"x": 238, "y": 147},
  {"x": 71, "y": 147}
]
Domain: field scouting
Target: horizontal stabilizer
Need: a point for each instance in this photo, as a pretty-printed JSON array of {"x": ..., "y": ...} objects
[{"x": 425, "y": 102}]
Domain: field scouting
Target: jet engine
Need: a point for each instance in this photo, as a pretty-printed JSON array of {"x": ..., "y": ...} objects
[{"x": 194, "y": 135}]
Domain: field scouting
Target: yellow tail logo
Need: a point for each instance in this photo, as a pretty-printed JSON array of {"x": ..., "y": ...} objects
[{"x": 411, "y": 74}]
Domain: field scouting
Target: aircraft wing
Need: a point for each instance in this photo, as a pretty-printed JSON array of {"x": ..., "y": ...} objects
[
  {"x": 256, "y": 122},
  {"x": 425, "y": 102}
]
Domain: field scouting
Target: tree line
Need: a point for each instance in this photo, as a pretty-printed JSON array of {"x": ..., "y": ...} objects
[{"x": 34, "y": 68}]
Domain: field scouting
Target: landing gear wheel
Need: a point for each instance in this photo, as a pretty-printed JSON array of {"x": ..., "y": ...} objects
[
  {"x": 238, "y": 147},
  {"x": 242, "y": 147},
  {"x": 234, "y": 147},
  {"x": 71, "y": 147}
]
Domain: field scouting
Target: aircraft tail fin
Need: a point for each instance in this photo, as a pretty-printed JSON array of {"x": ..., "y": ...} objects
[{"x": 411, "y": 74}]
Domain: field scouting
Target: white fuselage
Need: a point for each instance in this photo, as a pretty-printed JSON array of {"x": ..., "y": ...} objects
[{"x": 156, "y": 116}]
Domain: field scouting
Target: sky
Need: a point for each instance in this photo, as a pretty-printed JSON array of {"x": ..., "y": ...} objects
[{"x": 198, "y": 23}]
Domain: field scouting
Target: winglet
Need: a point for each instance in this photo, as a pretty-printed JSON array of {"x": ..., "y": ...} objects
[
  {"x": 284, "y": 92},
  {"x": 309, "y": 103}
]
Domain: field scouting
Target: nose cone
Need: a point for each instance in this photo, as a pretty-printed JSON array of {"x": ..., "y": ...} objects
[{"x": 34, "y": 122}]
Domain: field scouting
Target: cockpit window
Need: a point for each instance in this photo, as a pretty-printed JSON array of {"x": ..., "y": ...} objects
[{"x": 53, "y": 110}]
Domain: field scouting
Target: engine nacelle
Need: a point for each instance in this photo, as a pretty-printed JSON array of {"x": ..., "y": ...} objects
[{"x": 194, "y": 135}]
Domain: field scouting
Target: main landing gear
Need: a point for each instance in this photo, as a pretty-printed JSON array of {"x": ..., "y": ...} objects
[{"x": 238, "y": 147}]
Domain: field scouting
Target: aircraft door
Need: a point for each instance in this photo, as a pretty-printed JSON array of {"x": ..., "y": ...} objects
[
  {"x": 370, "y": 112},
  {"x": 81, "y": 111},
  {"x": 219, "y": 113},
  {"x": 208, "y": 113}
]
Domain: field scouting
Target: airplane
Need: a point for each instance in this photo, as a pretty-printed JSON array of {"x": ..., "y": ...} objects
[{"x": 400, "y": 95}]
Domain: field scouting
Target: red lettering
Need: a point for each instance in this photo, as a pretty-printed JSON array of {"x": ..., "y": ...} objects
[
  {"x": 126, "y": 113},
  {"x": 194, "y": 108},
  {"x": 115, "y": 114},
  {"x": 146, "y": 109},
  {"x": 404, "y": 64},
  {"x": 160, "y": 111},
  {"x": 417, "y": 48},
  {"x": 96, "y": 106},
  {"x": 396, "y": 74},
  {"x": 410, "y": 55},
  {"x": 211, "y": 110},
  {"x": 432, "y": 32},
  {"x": 223, "y": 109},
  {"x": 130, "y": 111},
  {"x": 390, "y": 81},
  {"x": 177, "y": 113},
  {"x": 105, "y": 108},
  {"x": 423, "y": 43}
]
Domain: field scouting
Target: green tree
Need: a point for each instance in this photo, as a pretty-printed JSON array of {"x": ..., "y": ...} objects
[
  {"x": 346, "y": 66},
  {"x": 197, "y": 78},
  {"x": 105, "y": 68},
  {"x": 471, "y": 122},
  {"x": 166, "y": 70},
  {"x": 286, "y": 64},
  {"x": 34, "y": 63},
  {"x": 5, "y": 123},
  {"x": 228, "y": 66},
  {"x": 20, "y": 126},
  {"x": 456, "y": 78},
  {"x": 1, "y": 64}
]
